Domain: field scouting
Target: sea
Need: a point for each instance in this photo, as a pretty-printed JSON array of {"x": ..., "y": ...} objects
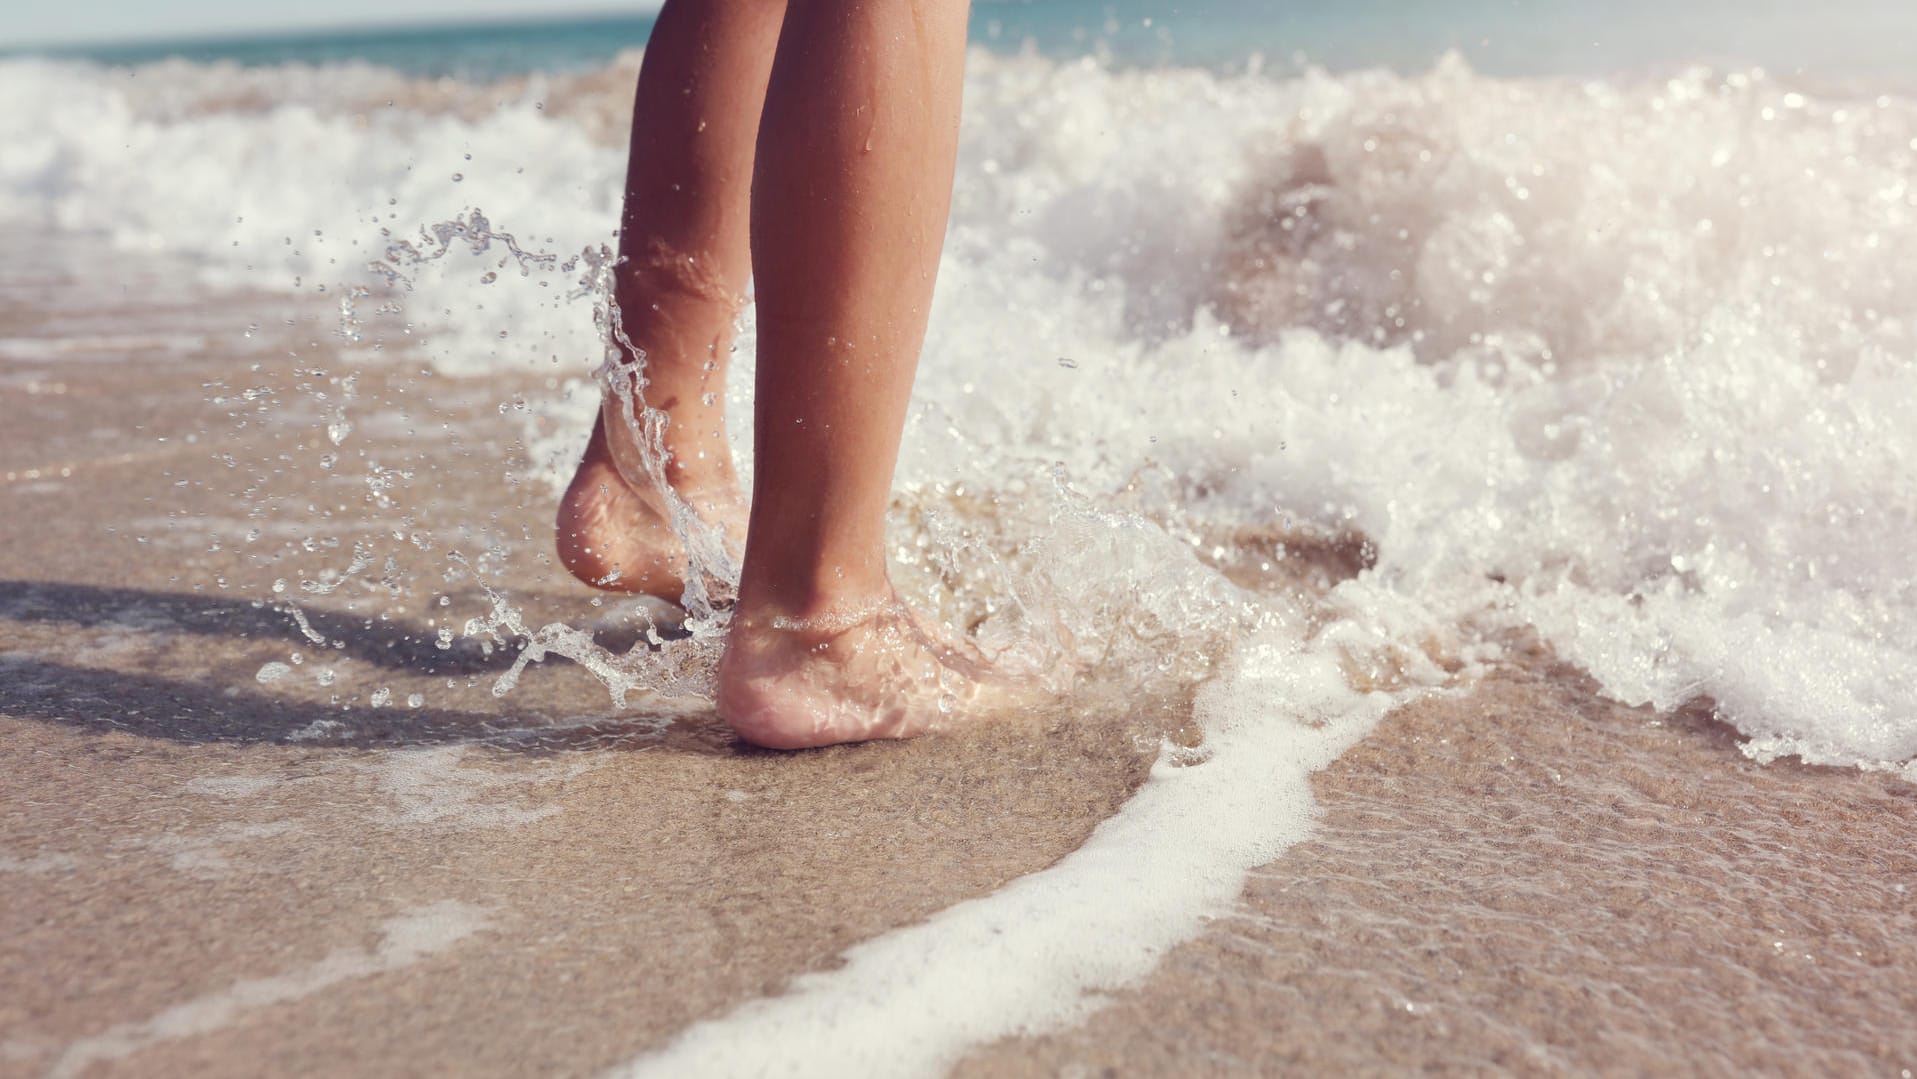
[{"x": 1296, "y": 361}]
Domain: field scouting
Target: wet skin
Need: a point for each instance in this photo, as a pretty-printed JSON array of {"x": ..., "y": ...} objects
[{"x": 808, "y": 146}]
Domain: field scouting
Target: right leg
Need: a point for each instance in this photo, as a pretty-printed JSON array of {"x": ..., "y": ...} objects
[
  {"x": 849, "y": 201},
  {"x": 684, "y": 266}
]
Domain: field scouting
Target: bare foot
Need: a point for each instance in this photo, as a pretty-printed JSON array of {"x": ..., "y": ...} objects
[
  {"x": 617, "y": 536},
  {"x": 872, "y": 672}
]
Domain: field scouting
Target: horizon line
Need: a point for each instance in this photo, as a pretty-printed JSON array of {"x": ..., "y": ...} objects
[{"x": 632, "y": 9}]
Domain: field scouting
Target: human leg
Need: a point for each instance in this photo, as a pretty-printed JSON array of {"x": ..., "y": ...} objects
[
  {"x": 851, "y": 189},
  {"x": 684, "y": 266}
]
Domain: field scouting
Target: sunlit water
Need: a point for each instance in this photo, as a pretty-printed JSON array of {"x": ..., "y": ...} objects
[{"x": 1299, "y": 394}]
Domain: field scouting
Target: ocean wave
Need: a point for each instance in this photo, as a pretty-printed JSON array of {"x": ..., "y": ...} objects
[{"x": 1622, "y": 365}]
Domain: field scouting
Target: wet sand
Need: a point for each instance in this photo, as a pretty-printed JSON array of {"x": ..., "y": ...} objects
[
  {"x": 206, "y": 874},
  {"x": 1525, "y": 879}
]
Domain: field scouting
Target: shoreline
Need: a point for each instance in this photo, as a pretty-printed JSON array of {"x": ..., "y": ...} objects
[{"x": 202, "y": 876}]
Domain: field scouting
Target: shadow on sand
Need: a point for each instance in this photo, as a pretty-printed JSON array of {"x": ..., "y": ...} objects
[
  {"x": 393, "y": 645},
  {"x": 151, "y": 706}
]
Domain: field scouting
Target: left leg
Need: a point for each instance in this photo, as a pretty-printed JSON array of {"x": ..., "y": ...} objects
[{"x": 684, "y": 265}]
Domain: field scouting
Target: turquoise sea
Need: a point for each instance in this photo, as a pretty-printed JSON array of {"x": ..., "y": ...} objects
[{"x": 1850, "y": 40}]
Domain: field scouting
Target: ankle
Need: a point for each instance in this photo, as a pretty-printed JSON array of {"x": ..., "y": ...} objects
[
  {"x": 685, "y": 336},
  {"x": 698, "y": 454},
  {"x": 704, "y": 481},
  {"x": 810, "y": 613},
  {"x": 656, "y": 268}
]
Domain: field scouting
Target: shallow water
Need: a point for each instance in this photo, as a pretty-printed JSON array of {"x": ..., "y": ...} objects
[
  {"x": 1302, "y": 397},
  {"x": 1626, "y": 363}
]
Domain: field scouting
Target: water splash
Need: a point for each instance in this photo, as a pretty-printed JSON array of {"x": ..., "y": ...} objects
[{"x": 1622, "y": 364}]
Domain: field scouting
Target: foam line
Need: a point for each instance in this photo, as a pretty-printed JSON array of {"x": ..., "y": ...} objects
[
  {"x": 1037, "y": 954},
  {"x": 405, "y": 940}
]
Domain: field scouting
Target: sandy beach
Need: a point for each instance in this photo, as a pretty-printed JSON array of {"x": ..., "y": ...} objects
[{"x": 212, "y": 866}]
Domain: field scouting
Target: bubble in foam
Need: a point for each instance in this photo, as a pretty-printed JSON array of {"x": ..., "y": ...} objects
[
  {"x": 1597, "y": 360},
  {"x": 1438, "y": 357}
]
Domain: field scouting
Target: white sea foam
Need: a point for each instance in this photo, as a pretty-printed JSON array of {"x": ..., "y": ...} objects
[
  {"x": 233, "y": 787},
  {"x": 70, "y": 349},
  {"x": 1627, "y": 365},
  {"x": 1036, "y": 954},
  {"x": 435, "y": 787},
  {"x": 205, "y": 854},
  {"x": 44, "y": 863},
  {"x": 405, "y": 939}
]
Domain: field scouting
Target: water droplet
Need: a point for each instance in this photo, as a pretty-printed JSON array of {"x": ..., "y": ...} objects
[
  {"x": 414, "y": 700},
  {"x": 381, "y": 696},
  {"x": 272, "y": 672}
]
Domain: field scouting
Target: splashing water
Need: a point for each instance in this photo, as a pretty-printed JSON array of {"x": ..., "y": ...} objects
[
  {"x": 622, "y": 377},
  {"x": 1402, "y": 368}
]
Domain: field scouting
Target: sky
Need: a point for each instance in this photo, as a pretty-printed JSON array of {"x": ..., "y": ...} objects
[{"x": 127, "y": 20}]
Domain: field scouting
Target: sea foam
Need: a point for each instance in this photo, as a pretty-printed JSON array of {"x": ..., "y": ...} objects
[
  {"x": 1623, "y": 364},
  {"x": 1230, "y": 378}
]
